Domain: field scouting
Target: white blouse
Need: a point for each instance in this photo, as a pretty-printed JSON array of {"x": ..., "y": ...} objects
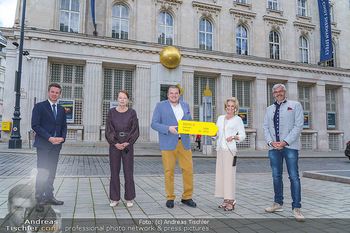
[{"x": 233, "y": 127}]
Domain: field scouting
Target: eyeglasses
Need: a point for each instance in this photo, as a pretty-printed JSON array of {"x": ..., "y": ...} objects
[{"x": 278, "y": 92}]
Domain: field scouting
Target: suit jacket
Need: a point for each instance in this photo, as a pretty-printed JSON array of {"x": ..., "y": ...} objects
[
  {"x": 45, "y": 125},
  {"x": 163, "y": 117},
  {"x": 291, "y": 124}
]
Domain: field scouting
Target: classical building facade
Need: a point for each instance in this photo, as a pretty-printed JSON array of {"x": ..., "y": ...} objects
[
  {"x": 3, "y": 44},
  {"x": 237, "y": 48}
]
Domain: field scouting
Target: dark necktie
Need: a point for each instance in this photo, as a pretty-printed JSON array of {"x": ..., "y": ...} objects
[{"x": 54, "y": 110}]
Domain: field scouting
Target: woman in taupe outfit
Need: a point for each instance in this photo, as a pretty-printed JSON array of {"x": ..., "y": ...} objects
[{"x": 122, "y": 131}]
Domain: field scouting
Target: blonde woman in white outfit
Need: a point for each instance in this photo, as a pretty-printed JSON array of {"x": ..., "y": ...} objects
[{"x": 231, "y": 131}]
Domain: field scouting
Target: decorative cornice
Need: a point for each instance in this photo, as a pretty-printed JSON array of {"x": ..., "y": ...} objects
[
  {"x": 206, "y": 9},
  {"x": 305, "y": 18},
  {"x": 274, "y": 11},
  {"x": 235, "y": 4},
  {"x": 304, "y": 26},
  {"x": 168, "y": 4},
  {"x": 242, "y": 13},
  {"x": 275, "y": 20}
]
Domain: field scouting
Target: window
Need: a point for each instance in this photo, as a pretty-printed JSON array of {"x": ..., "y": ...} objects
[
  {"x": 242, "y": 1},
  {"x": 302, "y": 8},
  {"x": 332, "y": 61},
  {"x": 205, "y": 35},
  {"x": 241, "y": 40},
  {"x": 69, "y": 16},
  {"x": 303, "y": 50},
  {"x": 304, "y": 97},
  {"x": 115, "y": 80},
  {"x": 274, "y": 41},
  {"x": 331, "y": 107},
  {"x": 242, "y": 91},
  {"x": 120, "y": 22},
  {"x": 165, "y": 29},
  {"x": 331, "y": 13},
  {"x": 71, "y": 79},
  {"x": 273, "y": 5},
  {"x": 270, "y": 98},
  {"x": 200, "y": 84}
]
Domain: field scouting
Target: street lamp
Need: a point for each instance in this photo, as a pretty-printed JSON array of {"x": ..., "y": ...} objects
[{"x": 16, "y": 141}]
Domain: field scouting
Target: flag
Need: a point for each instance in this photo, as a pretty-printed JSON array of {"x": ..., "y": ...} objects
[
  {"x": 93, "y": 15},
  {"x": 325, "y": 30}
]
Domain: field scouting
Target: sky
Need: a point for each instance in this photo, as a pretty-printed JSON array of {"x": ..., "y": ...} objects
[{"x": 7, "y": 12}]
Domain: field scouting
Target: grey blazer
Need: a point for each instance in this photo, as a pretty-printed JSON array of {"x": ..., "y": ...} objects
[{"x": 291, "y": 124}]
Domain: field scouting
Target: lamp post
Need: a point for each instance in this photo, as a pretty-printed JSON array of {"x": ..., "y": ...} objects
[{"x": 16, "y": 141}]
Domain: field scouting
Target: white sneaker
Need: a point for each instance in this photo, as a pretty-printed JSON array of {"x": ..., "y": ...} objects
[
  {"x": 113, "y": 203},
  {"x": 298, "y": 215},
  {"x": 274, "y": 208},
  {"x": 129, "y": 204}
]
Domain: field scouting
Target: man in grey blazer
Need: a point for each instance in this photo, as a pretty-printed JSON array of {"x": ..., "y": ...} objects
[
  {"x": 174, "y": 146},
  {"x": 283, "y": 124}
]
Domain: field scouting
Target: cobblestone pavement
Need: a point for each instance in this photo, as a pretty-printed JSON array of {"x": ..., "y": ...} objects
[{"x": 83, "y": 183}]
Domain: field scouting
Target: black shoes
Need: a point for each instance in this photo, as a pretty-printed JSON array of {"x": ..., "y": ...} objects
[
  {"x": 39, "y": 207},
  {"x": 189, "y": 202},
  {"x": 53, "y": 201},
  {"x": 170, "y": 203}
]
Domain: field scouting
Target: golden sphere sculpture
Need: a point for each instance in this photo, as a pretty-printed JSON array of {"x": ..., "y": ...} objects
[{"x": 170, "y": 57}]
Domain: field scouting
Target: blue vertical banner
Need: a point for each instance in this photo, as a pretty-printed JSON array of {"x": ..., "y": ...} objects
[
  {"x": 325, "y": 30},
  {"x": 93, "y": 15}
]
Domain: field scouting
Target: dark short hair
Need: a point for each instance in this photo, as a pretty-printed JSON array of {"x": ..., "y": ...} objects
[
  {"x": 124, "y": 92},
  {"x": 54, "y": 85},
  {"x": 174, "y": 86},
  {"x": 20, "y": 191}
]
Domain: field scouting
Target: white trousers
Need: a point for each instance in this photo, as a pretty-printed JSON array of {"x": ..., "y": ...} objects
[{"x": 225, "y": 178}]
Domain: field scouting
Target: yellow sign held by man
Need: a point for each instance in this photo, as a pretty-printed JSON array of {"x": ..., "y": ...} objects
[{"x": 197, "y": 127}]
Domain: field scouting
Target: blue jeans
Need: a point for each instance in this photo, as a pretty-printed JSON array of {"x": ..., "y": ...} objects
[{"x": 276, "y": 162}]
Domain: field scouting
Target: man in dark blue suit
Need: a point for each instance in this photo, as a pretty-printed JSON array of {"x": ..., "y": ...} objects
[{"x": 49, "y": 123}]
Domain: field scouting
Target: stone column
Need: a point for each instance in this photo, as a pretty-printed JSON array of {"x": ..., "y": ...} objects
[
  {"x": 92, "y": 106},
  {"x": 344, "y": 110},
  {"x": 142, "y": 100},
  {"x": 292, "y": 90},
  {"x": 260, "y": 105},
  {"x": 187, "y": 86},
  {"x": 9, "y": 94},
  {"x": 319, "y": 119},
  {"x": 225, "y": 87}
]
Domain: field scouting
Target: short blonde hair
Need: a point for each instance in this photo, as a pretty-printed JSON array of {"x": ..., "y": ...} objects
[{"x": 234, "y": 100}]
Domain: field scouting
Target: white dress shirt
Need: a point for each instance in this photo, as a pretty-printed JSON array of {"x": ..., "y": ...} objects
[{"x": 178, "y": 111}]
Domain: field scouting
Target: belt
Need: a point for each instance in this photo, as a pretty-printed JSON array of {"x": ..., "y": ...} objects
[{"x": 122, "y": 134}]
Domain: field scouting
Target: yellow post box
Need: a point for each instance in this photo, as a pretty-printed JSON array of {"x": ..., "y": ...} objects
[{"x": 6, "y": 126}]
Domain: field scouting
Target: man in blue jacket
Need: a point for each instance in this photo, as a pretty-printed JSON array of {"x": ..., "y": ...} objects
[
  {"x": 283, "y": 124},
  {"x": 49, "y": 123},
  {"x": 174, "y": 145}
]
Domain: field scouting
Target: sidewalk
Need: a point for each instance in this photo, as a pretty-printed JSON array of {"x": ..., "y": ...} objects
[
  {"x": 86, "y": 197},
  {"x": 151, "y": 149}
]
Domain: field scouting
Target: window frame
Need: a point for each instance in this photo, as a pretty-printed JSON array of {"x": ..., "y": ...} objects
[
  {"x": 206, "y": 34},
  {"x": 273, "y": 5},
  {"x": 302, "y": 10},
  {"x": 70, "y": 13},
  {"x": 241, "y": 39},
  {"x": 121, "y": 20},
  {"x": 167, "y": 14},
  {"x": 273, "y": 44},
  {"x": 304, "y": 49}
]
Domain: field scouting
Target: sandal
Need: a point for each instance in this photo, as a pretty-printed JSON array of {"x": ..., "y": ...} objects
[
  {"x": 230, "y": 205},
  {"x": 224, "y": 204}
]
